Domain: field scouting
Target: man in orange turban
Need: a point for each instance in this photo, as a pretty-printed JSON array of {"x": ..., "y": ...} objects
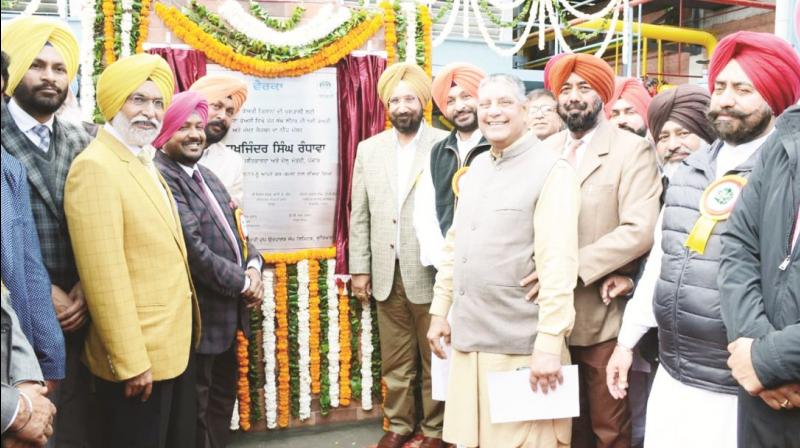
[
  {"x": 628, "y": 106},
  {"x": 455, "y": 92},
  {"x": 225, "y": 95},
  {"x": 620, "y": 192}
]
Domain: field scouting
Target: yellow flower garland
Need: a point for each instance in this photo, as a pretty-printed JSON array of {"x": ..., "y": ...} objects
[
  {"x": 243, "y": 391},
  {"x": 293, "y": 257},
  {"x": 108, "y": 31},
  {"x": 425, "y": 17},
  {"x": 345, "y": 353},
  {"x": 314, "y": 325},
  {"x": 282, "y": 342},
  {"x": 390, "y": 40},
  {"x": 226, "y": 56},
  {"x": 144, "y": 25}
]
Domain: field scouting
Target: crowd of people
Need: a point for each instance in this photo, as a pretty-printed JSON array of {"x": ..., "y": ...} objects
[{"x": 651, "y": 241}]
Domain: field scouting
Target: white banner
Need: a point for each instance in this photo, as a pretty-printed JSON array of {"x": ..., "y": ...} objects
[{"x": 288, "y": 134}]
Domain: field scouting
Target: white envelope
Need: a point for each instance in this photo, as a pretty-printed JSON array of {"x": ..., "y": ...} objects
[
  {"x": 440, "y": 370},
  {"x": 512, "y": 400}
]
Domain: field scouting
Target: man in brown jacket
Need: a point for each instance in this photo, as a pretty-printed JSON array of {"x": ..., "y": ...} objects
[{"x": 620, "y": 189}]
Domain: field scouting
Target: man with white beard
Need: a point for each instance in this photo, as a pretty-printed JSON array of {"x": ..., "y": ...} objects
[{"x": 132, "y": 261}]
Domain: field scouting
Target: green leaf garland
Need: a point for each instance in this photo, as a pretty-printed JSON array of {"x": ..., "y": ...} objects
[
  {"x": 355, "y": 362},
  {"x": 277, "y": 24},
  {"x": 523, "y": 14},
  {"x": 324, "y": 348},
  {"x": 294, "y": 347}
]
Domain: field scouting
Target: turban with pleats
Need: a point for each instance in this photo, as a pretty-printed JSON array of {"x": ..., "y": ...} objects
[
  {"x": 183, "y": 106},
  {"x": 772, "y": 65},
  {"x": 23, "y": 38},
  {"x": 466, "y": 76},
  {"x": 411, "y": 74},
  {"x": 632, "y": 91},
  {"x": 594, "y": 70},
  {"x": 686, "y": 105},
  {"x": 549, "y": 66},
  {"x": 218, "y": 87},
  {"x": 120, "y": 79}
]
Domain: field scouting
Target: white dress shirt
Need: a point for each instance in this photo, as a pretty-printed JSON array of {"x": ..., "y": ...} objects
[
  {"x": 26, "y": 123},
  {"x": 465, "y": 146},
  {"x": 228, "y": 165},
  {"x": 405, "y": 160},
  {"x": 586, "y": 140},
  {"x": 639, "y": 315}
]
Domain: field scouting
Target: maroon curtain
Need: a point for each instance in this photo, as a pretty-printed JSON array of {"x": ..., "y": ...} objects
[
  {"x": 361, "y": 115},
  {"x": 187, "y": 65}
]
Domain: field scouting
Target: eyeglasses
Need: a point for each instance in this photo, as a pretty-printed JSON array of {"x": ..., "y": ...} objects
[
  {"x": 141, "y": 100},
  {"x": 544, "y": 110}
]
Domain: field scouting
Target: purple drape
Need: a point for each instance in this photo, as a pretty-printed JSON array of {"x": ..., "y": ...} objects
[
  {"x": 361, "y": 115},
  {"x": 187, "y": 65}
]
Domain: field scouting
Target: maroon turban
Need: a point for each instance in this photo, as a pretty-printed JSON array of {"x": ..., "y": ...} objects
[
  {"x": 686, "y": 105},
  {"x": 772, "y": 65},
  {"x": 183, "y": 106}
]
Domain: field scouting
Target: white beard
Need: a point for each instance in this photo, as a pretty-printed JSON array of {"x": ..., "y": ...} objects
[{"x": 132, "y": 135}]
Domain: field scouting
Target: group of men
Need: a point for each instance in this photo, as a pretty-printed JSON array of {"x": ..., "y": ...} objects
[
  {"x": 125, "y": 264},
  {"x": 549, "y": 229},
  {"x": 563, "y": 226}
]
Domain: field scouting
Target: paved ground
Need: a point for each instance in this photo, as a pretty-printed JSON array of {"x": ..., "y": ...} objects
[{"x": 349, "y": 435}]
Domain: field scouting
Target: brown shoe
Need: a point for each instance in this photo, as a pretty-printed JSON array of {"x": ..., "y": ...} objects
[
  {"x": 431, "y": 442},
  {"x": 394, "y": 440}
]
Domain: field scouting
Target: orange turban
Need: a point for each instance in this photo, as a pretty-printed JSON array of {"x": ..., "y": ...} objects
[
  {"x": 549, "y": 67},
  {"x": 591, "y": 68},
  {"x": 218, "y": 87},
  {"x": 632, "y": 91},
  {"x": 466, "y": 76}
]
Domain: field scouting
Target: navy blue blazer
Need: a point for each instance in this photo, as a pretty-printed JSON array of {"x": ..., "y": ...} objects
[{"x": 24, "y": 273}]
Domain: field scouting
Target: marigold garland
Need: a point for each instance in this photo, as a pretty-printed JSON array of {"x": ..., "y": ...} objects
[
  {"x": 144, "y": 25},
  {"x": 294, "y": 257},
  {"x": 390, "y": 40},
  {"x": 345, "y": 356},
  {"x": 425, "y": 19},
  {"x": 314, "y": 324},
  {"x": 194, "y": 36},
  {"x": 282, "y": 334},
  {"x": 243, "y": 390},
  {"x": 108, "y": 31},
  {"x": 384, "y": 391}
]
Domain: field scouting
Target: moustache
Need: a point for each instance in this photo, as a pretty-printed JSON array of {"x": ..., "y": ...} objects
[
  {"x": 682, "y": 151},
  {"x": 576, "y": 106},
  {"x": 153, "y": 122},
  {"x": 44, "y": 86},
  {"x": 713, "y": 114},
  {"x": 219, "y": 123}
]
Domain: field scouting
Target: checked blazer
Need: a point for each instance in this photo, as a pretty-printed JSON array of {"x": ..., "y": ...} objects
[
  {"x": 48, "y": 210},
  {"x": 218, "y": 278},
  {"x": 24, "y": 274},
  {"x": 132, "y": 261},
  {"x": 374, "y": 218}
]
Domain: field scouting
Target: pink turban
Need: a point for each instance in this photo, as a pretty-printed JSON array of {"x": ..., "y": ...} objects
[
  {"x": 772, "y": 65},
  {"x": 183, "y": 106},
  {"x": 466, "y": 76},
  {"x": 632, "y": 91}
]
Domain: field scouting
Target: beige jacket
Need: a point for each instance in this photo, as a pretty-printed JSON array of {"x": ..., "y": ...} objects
[
  {"x": 620, "y": 191},
  {"x": 374, "y": 218}
]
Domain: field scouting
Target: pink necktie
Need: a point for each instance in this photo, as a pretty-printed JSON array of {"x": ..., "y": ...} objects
[{"x": 571, "y": 154}]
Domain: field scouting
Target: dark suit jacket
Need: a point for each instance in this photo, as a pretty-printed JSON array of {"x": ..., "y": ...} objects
[
  {"x": 48, "y": 209},
  {"x": 217, "y": 277}
]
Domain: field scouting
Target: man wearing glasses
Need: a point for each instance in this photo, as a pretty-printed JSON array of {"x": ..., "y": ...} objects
[{"x": 543, "y": 118}]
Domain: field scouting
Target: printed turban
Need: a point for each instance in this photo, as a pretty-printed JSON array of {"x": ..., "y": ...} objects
[
  {"x": 410, "y": 73},
  {"x": 123, "y": 77},
  {"x": 466, "y": 76},
  {"x": 218, "y": 87},
  {"x": 686, "y": 105},
  {"x": 23, "y": 38},
  {"x": 772, "y": 65},
  {"x": 632, "y": 91},
  {"x": 549, "y": 67},
  {"x": 594, "y": 70},
  {"x": 183, "y": 106}
]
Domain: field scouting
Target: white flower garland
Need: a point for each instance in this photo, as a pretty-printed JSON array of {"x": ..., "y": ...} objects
[
  {"x": 409, "y": 9},
  {"x": 125, "y": 26},
  {"x": 488, "y": 39},
  {"x": 366, "y": 357},
  {"x": 609, "y": 34},
  {"x": 235, "y": 417},
  {"x": 303, "y": 334},
  {"x": 320, "y": 26},
  {"x": 448, "y": 26},
  {"x": 268, "y": 325},
  {"x": 87, "y": 60},
  {"x": 333, "y": 333},
  {"x": 32, "y": 7}
]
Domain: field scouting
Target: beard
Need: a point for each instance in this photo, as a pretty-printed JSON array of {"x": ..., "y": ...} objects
[
  {"x": 132, "y": 135},
  {"x": 641, "y": 132},
  {"x": 469, "y": 126},
  {"x": 579, "y": 117},
  {"x": 215, "y": 136},
  {"x": 742, "y": 127},
  {"x": 33, "y": 103},
  {"x": 406, "y": 123}
]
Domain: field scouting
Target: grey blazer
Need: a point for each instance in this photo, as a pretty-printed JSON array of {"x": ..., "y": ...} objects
[
  {"x": 18, "y": 362},
  {"x": 374, "y": 218}
]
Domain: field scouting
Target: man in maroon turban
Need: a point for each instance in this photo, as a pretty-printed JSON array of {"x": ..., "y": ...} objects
[{"x": 620, "y": 190}]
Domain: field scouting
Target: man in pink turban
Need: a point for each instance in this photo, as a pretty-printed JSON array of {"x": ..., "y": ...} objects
[
  {"x": 226, "y": 269},
  {"x": 455, "y": 92},
  {"x": 628, "y": 106}
]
